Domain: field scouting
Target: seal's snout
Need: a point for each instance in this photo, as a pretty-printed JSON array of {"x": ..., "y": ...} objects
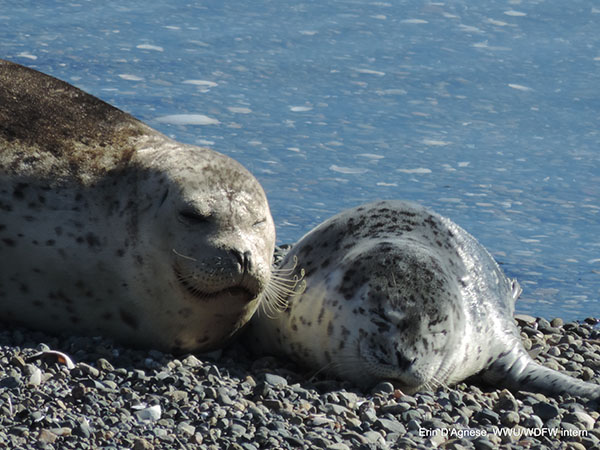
[
  {"x": 250, "y": 278},
  {"x": 403, "y": 362}
]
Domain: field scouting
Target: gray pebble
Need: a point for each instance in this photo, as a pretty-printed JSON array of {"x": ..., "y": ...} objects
[
  {"x": 367, "y": 414},
  {"x": 545, "y": 327},
  {"x": 338, "y": 446},
  {"x": 11, "y": 382},
  {"x": 395, "y": 409},
  {"x": 237, "y": 430},
  {"x": 248, "y": 446},
  {"x": 413, "y": 425},
  {"x": 223, "y": 397},
  {"x": 104, "y": 365},
  {"x": 546, "y": 410},
  {"x": 321, "y": 421},
  {"x": 34, "y": 375},
  {"x": 390, "y": 426},
  {"x": 483, "y": 443},
  {"x": 337, "y": 410},
  {"x": 383, "y": 388},
  {"x": 507, "y": 402},
  {"x": 408, "y": 399},
  {"x": 580, "y": 417},
  {"x": 532, "y": 421},
  {"x": 487, "y": 416},
  {"x": 524, "y": 319},
  {"x": 275, "y": 405},
  {"x": 275, "y": 380},
  {"x": 83, "y": 429},
  {"x": 186, "y": 429},
  {"x": 590, "y": 441},
  {"x": 348, "y": 399},
  {"x": 406, "y": 442},
  {"x": 373, "y": 437},
  {"x": 412, "y": 414},
  {"x": 142, "y": 444},
  {"x": 219, "y": 403},
  {"x": 317, "y": 440},
  {"x": 42, "y": 348},
  {"x": 509, "y": 419}
]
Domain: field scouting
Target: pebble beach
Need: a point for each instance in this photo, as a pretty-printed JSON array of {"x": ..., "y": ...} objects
[
  {"x": 74, "y": 392},
  {"x": 111, "y": 397}
]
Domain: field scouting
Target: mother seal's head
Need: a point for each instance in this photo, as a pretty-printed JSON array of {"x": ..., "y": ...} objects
[
  {"x": 109, "y": 227},
  {"x": 209, "y": 220}
]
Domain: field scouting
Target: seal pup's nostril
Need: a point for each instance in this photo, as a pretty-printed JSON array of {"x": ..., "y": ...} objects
[{"x": 403, "y": 362}]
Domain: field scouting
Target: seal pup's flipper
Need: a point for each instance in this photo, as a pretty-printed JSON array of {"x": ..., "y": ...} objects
[{"x": 521, "y": 373}]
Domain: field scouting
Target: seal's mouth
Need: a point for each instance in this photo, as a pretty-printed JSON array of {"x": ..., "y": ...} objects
[{"x": 230, "y": 292}]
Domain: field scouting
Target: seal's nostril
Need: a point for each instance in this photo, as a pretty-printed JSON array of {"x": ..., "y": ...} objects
[
  {"x": 243, "y": 259},
  {"x": 239, "y": 257},
  {"x": 247, "y": 261},
  {"x": 403, "y": 362}
]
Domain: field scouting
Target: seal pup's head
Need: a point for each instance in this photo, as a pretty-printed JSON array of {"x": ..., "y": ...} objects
[{"x": 409, "y": 316}]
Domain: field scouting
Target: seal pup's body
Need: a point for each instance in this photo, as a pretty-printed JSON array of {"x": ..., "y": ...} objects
[{"x": 396, "y": 292}]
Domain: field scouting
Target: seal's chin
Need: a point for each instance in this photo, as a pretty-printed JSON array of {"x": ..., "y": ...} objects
[
  {"x": 410, "y": 388},
  {"x": 405, "y": 374}
]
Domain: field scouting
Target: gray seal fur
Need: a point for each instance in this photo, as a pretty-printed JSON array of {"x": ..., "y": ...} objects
[
  {"x": 395, "y": 292},
  {"x": 108, "y": 227}
]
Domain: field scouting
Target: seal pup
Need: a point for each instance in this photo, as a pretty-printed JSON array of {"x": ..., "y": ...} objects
[
  {"x": 108, "y": 227},
  {"x": 395, "y": 292}
]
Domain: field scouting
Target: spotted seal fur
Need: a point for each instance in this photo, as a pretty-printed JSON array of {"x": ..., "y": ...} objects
[
  {"x": 108, "y": 227},
  {"x": 396, "y": 292}
]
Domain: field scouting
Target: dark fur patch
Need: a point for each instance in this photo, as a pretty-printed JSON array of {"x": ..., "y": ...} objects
[
  {"x": 129, "y": 319},
  {"x": 45, "y": 120},
  {"x": 9, "y": 242}
]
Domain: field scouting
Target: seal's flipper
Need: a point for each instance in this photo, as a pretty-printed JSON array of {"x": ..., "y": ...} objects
[
  {"x": 524, "y": 374},
  {"x": 516, "y": 289}
]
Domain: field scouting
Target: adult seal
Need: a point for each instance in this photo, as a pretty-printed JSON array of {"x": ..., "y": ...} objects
[
  {"x": 108, "y": 227},
  {"x": 396, "y": 292}
]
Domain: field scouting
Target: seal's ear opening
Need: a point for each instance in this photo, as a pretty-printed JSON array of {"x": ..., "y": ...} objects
[{"x": 164, "y": 197}]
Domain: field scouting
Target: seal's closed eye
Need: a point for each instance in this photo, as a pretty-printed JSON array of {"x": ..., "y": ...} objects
[{"x": 194, "y": 217}]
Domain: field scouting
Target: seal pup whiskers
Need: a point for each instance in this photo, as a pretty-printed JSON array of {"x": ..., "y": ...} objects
[
  {"x": 396, "y": 292},
  {"x": 109, "y": 227}
]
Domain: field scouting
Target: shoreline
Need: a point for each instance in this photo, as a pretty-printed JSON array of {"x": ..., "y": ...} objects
[{"x": 117, "y": 397}]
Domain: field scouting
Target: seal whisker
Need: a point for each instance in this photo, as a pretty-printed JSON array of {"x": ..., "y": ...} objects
[
  {"x": 288, "y": 270},
  {"x": 284, "y": 283},
  {"x": 433, "y": 384},
  {"x": 191, "y": 284},
  {"x": 327, "y": 368},
  {"x": 184, "y": 256}
]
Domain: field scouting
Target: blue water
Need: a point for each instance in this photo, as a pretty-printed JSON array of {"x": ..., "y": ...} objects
[{"x": 488, "y": 112}]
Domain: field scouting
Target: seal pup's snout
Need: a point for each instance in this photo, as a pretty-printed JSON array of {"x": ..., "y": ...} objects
[{"x": 403, "y": 362}]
